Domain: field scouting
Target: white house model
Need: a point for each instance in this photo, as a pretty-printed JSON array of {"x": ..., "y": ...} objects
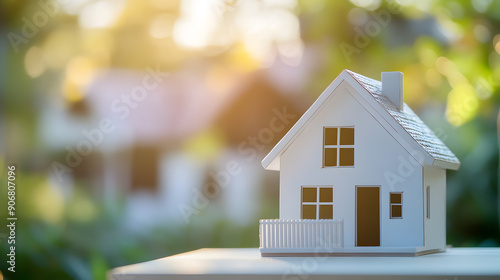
[{"x": 360, "y": 173}]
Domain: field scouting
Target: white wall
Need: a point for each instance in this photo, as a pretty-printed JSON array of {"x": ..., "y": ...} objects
[
  {"x": 435, "y": 227},
  {"x": 376, "y": 154}
]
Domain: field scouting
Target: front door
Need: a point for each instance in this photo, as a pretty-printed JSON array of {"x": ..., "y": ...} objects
[{"x": 367, "y": 215}]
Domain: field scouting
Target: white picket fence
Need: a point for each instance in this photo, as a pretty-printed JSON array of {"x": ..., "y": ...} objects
[{"x": 301, "y": 233}]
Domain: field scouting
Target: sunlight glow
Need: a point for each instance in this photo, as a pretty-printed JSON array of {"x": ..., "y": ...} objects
[
  {"x": 367, "y": 4},
  {"x": 73, "y": 7},
  {"x": 33, "y": 62},
  {"x": 358, "y": 16},
  {"x": 196, "y": 24},
  {"x": 220, "y": 80},
  {"x": 424, "y": 5},
  {"x": 483, "y": 89},
  {"x": 287, "y": 4},
  {"x": 496, "y": 43},
  {"x": 79, "y": 73},
  {"x": 267, "y": 29},
  {"x": 48, "y": 202},
  {"x": 98, "y": 44},
  {"x": 241, "y": 61},
  {"x": 427, "y": 56},
  {"x": 72, "y": 92},
  {"x": 462, "y": 104},
  {"x": 433, "y": 78},
  {"x": 59, "y": 47},
  {"x": 161, "y": 26},
  {"x": 205, "y": 145},
  {"x": 405, "y": 2},
  {"x": 481, "y": 5},
  {"x": 81, "y": 209},
  {"x": 482, "y": 33},
  {"x": 263, "y": 31},
  {"x": 463, "y": 101},
  {"x": 80, "y": 70},
  {"x": 100, "y": 14}
]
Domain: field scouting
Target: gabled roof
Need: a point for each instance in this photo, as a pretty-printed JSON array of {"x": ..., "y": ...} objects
[{"x": 409, "y": 130}]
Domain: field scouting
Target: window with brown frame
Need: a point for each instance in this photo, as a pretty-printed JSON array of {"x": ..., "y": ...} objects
[
  {"x": 338, "y": 146},
  {"x": 317, "y": 203},
  {"x": 396, "y": 205}
]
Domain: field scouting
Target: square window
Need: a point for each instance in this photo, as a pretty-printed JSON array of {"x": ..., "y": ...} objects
[
  {"x": 396, "y": 198},
  {"x": 308, "y": 211},
  {"x": 317, "y": 202},
  {"x": 346, "y": 157},
  {"x": 309, "y": 195},
  {"x": 347, "y": 136},
  {"x": 331, "y": 157},
  {"x": 330, "y": 136},
  {"x": 326, "y": 212},
  {"x": 396, "y": 211},
  {"x": 338, "y": 146},
  {"x": 325, "y": 195}
]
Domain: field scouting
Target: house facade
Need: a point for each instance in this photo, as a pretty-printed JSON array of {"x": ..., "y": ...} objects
[{"x": 360, "y": 173}]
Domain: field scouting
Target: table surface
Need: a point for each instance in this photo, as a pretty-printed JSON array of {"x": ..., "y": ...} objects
[{"x": 247, "y": 263}]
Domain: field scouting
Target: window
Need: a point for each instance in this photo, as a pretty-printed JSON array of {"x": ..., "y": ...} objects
[
  {"x": 428, "y": 198},
  {"x": 338, "y": 146},
  {"x": 396, "y": 205},
  {"x": 317, "y": 203}
]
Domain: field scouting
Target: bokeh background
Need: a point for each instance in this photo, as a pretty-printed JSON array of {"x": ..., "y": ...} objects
[{"x": 122, "y": 116}]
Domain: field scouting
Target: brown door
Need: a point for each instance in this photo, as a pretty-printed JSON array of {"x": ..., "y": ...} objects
[{"x": 368, "y": 216}]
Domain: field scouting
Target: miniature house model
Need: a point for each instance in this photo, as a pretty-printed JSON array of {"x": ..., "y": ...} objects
[{"x": 360, "y": 173}]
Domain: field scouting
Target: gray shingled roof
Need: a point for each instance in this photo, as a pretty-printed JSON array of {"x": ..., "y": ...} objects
[{"x": 417, "y": 129}]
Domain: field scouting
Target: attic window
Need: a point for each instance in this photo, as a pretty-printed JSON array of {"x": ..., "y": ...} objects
[{"x": 338, "y": 146}]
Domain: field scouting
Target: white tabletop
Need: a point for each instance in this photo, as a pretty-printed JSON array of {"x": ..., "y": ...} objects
[{"x": 455, "y": 263}]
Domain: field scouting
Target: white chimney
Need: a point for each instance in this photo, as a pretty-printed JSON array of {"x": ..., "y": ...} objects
[{"x": 392, "y": 87}]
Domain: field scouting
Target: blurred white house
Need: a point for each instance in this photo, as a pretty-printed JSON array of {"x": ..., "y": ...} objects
[{"x": 166, "y": 140}]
